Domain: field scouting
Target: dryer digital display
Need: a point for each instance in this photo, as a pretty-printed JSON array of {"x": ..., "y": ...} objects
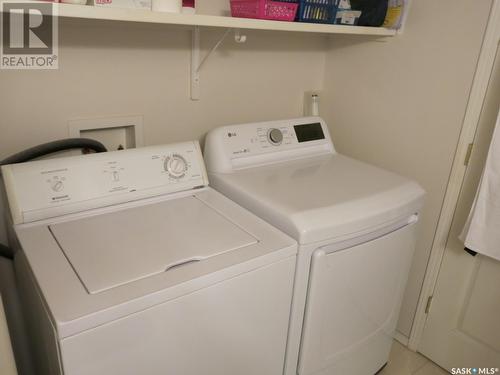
[{"x": 309, "y": 132}]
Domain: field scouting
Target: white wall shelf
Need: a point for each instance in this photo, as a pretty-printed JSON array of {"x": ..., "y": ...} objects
[
  {"x": 146, "y": 16},
  {"x": 195, "y": 22}
]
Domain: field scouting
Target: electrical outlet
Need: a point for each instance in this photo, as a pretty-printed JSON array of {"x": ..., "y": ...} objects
[
  {"x": 115, "y": 133},
  {"x": 307, "y": 103}
]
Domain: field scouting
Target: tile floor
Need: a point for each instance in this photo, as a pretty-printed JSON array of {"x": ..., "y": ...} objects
[{"x": 405, "y": 362}]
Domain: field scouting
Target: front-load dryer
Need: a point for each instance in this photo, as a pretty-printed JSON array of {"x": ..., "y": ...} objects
[
  {"x": 355, "y": 225},
  {"x": 128, "y": 263}
]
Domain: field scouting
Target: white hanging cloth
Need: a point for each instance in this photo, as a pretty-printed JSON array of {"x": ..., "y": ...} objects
[{"x": 482, "y": 229}]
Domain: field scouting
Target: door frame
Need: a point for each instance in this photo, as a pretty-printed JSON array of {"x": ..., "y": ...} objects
[{"x": 477, "y": 96}]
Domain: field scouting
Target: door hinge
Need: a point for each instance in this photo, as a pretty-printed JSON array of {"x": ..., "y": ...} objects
[
  {"x": 468, "y": 154},
  {"x": 428, "y": 306}
]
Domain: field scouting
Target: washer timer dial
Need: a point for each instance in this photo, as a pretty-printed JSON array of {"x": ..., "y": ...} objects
[
  {"x": 175, "y": 165},
  {"x": 57, "y": 185}
]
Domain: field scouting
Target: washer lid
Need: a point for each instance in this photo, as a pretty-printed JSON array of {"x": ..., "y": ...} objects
[
  {"x": 117, "y": 248},
  {"x": 323, "y": 197}
]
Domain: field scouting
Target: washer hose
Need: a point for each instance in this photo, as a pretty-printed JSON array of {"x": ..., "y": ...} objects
[
  {"x": 6, "y": 252},
  {"x": 51, "y": 147}
]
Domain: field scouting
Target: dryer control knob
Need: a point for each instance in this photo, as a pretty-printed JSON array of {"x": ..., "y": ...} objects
[
  {"x": 176, "y": 166},
  {"x": 275, "y": 136}
]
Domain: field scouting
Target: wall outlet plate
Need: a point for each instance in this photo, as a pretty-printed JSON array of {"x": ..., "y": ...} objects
[{"x": 116, "y": 133}]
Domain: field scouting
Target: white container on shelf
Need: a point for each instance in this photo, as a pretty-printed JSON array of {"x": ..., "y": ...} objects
[
  {"x": 132, "y": 4},
  {"x": 170, "y": 6},
  {"x": 77, "y": 2}
]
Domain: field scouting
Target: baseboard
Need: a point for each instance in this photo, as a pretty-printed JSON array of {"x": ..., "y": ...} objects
[{"x": 401, "y": 338}]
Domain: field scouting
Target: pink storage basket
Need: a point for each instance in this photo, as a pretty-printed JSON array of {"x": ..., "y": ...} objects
[{"x": 265, "y": 9}]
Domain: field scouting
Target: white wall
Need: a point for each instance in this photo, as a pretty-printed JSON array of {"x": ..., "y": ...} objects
[
  {"x": 396, "y": 102},
  {"x": 112, "y": 69},
  {"x": 399, "y": 103}
]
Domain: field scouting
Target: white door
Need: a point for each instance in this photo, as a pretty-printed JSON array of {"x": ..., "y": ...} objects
[{"x": 463, "y": 324}]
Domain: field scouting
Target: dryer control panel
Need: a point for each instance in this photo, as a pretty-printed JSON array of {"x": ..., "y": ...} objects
[
  {"x": 235, "y": 147},
  {"x": 53, "y": 187}
]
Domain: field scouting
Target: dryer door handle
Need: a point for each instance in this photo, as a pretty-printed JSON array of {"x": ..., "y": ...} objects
[{"x": 367, "y": 237}]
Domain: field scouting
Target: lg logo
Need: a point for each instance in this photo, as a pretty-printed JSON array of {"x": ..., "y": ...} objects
[{"x": 29, "y": 36}]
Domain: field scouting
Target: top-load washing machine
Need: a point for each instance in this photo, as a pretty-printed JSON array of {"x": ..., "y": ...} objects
[
  {"x": 355, "y": 225},
  {"x": 128, "y": 263}
]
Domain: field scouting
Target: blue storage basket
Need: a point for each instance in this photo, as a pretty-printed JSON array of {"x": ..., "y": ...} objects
[{"x": 318, "y": 11}]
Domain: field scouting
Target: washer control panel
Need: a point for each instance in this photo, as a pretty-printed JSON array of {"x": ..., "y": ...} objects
[
  {"x": 51, "y": 187},
  {"x": 231, "y": 147}
]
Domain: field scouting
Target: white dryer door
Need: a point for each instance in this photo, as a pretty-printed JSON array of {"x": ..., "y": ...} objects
[{"x": 353, "y": 305}]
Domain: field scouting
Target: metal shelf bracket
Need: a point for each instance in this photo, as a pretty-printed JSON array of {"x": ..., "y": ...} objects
[{"x": 197, "y": 63}]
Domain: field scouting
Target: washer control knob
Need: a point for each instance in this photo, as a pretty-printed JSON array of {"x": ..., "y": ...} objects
[
  {"x": 175, "y": 166},
  {"x": 57, "y": 185},
  {"x": 275, "y": 136}
]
